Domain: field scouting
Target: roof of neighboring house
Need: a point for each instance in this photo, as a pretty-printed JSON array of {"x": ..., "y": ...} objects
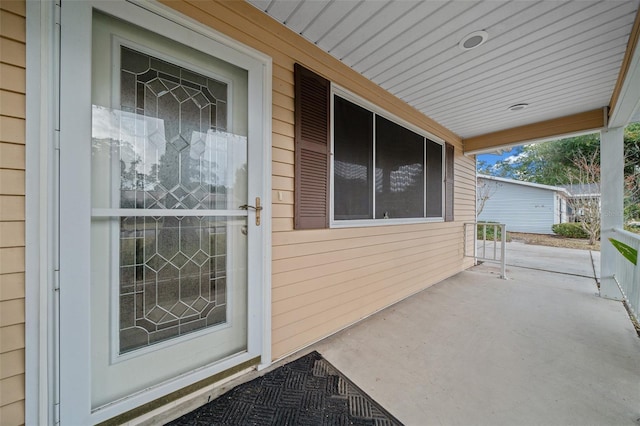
[
  {"x": 583, "y": 189},
  {"x": 519, "y": 182}
]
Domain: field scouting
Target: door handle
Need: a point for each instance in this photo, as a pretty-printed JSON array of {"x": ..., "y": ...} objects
[{"x": 258, "y": 208}]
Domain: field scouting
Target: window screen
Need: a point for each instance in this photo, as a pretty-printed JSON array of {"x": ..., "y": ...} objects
[
  {"x": 352, "y": 166},
  {"x": 399, "y": 171},
  {"x": 382, "y": 170},
  {"x": 434, "y": 179}
]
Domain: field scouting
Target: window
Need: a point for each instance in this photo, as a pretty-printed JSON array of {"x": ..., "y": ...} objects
[
  {"x": 399, "y": 171},
  {"x": 353, "y": 161},
  {"x": 382, "y": 170}
]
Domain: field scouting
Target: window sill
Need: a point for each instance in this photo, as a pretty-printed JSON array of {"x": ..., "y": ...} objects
[{"x": 362, "y": 223}]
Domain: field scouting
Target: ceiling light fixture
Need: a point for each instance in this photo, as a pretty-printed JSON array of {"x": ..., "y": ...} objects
[
  {"x": 517, "y": 107},
  {"x": 473, "y": 40}
]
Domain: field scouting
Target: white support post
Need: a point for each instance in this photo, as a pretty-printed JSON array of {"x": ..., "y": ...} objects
[
  {"x": 503, "y": 251},
  {"x": 612, "y": 193}
]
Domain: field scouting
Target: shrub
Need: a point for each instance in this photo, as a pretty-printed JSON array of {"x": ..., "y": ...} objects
[
  {"x": 490, "y": 229},
  {"x": 570, "y": 230},
  {"x": 633, "y": 227}
]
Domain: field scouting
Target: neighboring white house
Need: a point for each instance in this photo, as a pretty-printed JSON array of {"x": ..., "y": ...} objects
[
  {"x": 522, "y": 206},
  {"x": 581, "y": 195}
]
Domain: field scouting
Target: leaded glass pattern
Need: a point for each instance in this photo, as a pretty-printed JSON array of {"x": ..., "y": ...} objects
[
  {"x": 174, "y": 153},
  {"x": 173, "y": 277},
  {"x": 178, "y": 166}
]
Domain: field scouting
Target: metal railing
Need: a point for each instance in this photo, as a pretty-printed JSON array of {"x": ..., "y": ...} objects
[
  {"x": 476, "y": 233},
  {"x": 627, "y": 268}
]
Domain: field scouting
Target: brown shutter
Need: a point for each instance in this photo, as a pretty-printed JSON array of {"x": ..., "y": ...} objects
[
  {"x": 312, "y": 97},
  {"x": 448, "y": 183}
]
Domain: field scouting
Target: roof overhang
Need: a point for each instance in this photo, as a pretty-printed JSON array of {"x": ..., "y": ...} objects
[
  {"x": 625, "y": 101},
  {"x": 586, "y": 122},
  {"x": 624, "y": 108},
  {"x": 567, "y": 60}
]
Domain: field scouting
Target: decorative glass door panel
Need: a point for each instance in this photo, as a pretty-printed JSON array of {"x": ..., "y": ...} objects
[
  {"x": 173, "y": 275},
  {"x": 173, "y": 269},
  {"x": 169, "y": 241}
]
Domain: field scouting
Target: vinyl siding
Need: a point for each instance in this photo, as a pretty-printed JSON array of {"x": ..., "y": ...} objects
[
  {"x": 12, "y": 214},
  {"x": 522, "y": 208},
  {"x": 324, "y": 280}
]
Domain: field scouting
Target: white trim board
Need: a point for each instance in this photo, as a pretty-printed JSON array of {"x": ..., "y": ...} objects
[
  {"x": 628, "y": 102},
  {"x": 40, "y": 260}
]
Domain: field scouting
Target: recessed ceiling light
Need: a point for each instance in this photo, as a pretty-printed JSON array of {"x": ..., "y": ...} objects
[
  {"x": 473, "y": 40},
  {"x": 517, "y": 107}
]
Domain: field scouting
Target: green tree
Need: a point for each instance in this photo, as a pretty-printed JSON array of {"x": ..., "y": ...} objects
[
  {"x": 554, "y": 163},
  {"x": 632, "y": 172},
  {"x": 547, "y": 163}
]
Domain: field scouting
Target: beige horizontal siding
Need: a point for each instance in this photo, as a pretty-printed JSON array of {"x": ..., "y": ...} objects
[
  {"x": 11, "y": 363},
  {"x": 282, "y": 142},
  {"x": 12, "y": 286},
  {"x": 12, "y": 213},
  {"x": 335, "y": 251},
  {"x": 282, "y": 155},
  {"x": 11, "y": 312},
  {"x": 282, "y": 197},
  {"x": 12, "y": 104},
  {"x": 282, "y": 182},
  {"x": 11, "y": 390},
  {"x": 11, "y": 182},
  {"x": 281, "y": 224},
  {"x": 17, "y": 7},
  {"x": 12, "y": 22},
  {"x": 412, "y": 251},
  {"x": 12, "y": 130},
  {"x": 12, "y": 156},
  {"x": 12, "y": 414},
  {"x": 13, "y": 52},
  {"x": 12, "y": 78},
  {"x": 11, "y": 338},
  {"x": 282, "y": 169},
  {"x": 307, "y": 290},
  {"x": 304, "y": 332},
  {"x": 282, "y": 128},
  {"x": 11, "y": 208}
]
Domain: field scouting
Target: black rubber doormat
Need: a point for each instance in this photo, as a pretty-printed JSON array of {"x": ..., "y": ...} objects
[{"x": 307, "y": 392}]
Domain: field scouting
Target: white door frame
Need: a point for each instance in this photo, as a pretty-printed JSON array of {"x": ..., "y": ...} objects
[
  {"x": 42, "y": 115},
  {"x": 41, "y": 221}
]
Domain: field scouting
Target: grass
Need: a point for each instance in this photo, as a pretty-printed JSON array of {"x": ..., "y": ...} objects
[{"x": 554, "y": 241}]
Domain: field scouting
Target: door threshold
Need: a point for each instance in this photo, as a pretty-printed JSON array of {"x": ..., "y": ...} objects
[{"x": 177, "y": 403}]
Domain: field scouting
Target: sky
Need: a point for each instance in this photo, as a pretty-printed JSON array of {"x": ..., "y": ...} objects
[{"x": 491, "y": 159}]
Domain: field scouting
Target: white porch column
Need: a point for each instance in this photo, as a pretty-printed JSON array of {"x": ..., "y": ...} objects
[{"x": 612, "y": 190}]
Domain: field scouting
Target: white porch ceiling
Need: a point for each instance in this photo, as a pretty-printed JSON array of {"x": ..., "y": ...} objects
[{"x": 560, "y": 57}]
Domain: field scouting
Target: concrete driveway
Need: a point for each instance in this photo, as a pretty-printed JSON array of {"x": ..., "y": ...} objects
[
  {"x": 567, "y": 261},
  {"x": 540, "y": 348}
]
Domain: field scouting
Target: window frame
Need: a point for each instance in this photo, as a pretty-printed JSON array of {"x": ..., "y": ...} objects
[{"x": 336, "y": 90}]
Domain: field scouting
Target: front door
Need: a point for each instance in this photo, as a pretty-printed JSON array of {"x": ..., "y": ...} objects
[{"x": 161, "y": 252}]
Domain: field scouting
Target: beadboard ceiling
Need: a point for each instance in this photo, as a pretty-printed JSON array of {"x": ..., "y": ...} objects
[{"x": 560, "y": 57}]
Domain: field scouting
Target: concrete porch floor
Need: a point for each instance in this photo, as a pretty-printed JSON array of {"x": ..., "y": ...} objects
[
  {"x": 538, "y": 348},
  {"x": 541, "y": 348}
]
